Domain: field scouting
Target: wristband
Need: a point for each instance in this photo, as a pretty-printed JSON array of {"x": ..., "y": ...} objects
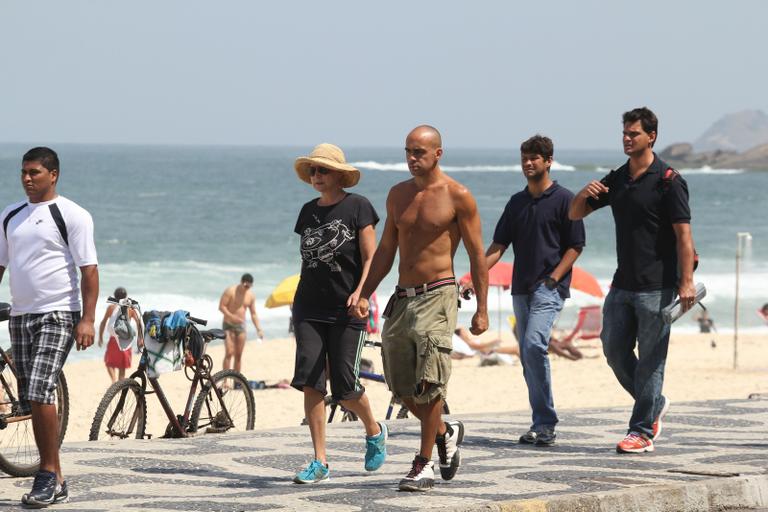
[{"x": 550, "y": 282}]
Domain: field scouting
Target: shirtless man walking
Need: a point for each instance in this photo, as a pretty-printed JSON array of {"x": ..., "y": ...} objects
[
  {"x": 427, "y": 216},
  {"x": 234, "y": 301}
]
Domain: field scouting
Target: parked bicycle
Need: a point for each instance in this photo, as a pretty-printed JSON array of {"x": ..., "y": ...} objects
[
  {"x": 18, "y": 451},
  {"x": 345, "y": 414},
  {"x": 225, "y": 401}
]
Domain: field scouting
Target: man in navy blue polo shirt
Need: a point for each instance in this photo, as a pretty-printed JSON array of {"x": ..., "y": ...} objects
[
  {"x": 654, "y": 247},
  {"x": 546, "y": 244}
]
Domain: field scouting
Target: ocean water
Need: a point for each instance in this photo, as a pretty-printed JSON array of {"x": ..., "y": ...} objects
[{"x": 176, "y": 225}]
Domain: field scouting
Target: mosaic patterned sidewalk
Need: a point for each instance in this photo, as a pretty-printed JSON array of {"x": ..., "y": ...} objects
[{"x": 253, "y": 471}]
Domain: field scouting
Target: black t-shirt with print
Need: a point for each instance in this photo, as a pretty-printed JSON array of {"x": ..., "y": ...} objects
[{"x": 331, "y": 263}]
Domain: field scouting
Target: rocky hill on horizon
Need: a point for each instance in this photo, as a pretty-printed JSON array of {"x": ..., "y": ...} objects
[{"x": 735, "y": 141}]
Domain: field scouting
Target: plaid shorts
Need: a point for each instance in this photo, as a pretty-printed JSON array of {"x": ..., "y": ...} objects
[{"x": 40, "y": 343}]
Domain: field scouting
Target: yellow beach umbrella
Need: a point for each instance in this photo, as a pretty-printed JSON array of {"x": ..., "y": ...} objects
[{"x": 283, "y": 293}]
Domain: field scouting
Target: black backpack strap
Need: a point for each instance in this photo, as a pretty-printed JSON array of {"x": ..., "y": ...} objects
[
  {"x": 8, "y": 218},
  {"x": 670, "y": 174},
  {"x": 59, "y": 220},
  {"x": 667, "y": 178}
]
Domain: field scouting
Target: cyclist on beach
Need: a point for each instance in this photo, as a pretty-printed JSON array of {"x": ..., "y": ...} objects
[
  {"x": 45, "y": 240},
  {"x": 337, "y": 245},
  {"x": 427, "y": 217}
]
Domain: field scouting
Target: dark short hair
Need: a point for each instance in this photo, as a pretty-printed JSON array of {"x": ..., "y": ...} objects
[
  {"x": 46, "y": 156},
  {"x": 247, "y": 278},
  {"x": 120, "y": 293},
  {"x": 538, "y": 145},
  {"x": 647, "y": 119}
]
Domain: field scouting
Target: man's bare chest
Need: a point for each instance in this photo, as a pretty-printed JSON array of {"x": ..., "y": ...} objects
[{"x": 426, "y": 215}]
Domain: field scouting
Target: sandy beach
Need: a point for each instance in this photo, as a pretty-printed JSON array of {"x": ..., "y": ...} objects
[{"x": 695, "y": 371}]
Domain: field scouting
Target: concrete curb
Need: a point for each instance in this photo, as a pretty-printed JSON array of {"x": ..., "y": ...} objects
[{"x": 703, "y": 496}]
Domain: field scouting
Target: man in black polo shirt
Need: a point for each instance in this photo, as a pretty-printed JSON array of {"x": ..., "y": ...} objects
[
  {"x": 546, "y": 244},
  {"x": 654, "y": 248}
]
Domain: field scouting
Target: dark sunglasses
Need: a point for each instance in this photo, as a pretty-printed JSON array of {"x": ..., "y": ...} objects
[{"x": 317, "y": 169}]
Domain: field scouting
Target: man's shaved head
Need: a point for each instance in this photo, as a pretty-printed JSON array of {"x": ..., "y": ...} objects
[
  {"x": 425, "y": 133},
  {"x": 423, "y": 149}
]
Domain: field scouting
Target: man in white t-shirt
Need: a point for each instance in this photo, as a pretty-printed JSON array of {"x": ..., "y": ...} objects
[{"x": 44, "y": 241}]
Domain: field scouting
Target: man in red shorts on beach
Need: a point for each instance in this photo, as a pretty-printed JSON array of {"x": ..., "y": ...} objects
[{"x": 427, "y": 217}]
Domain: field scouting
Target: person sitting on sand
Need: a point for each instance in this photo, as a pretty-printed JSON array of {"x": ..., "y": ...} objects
[{"x": 465, "y": 345}]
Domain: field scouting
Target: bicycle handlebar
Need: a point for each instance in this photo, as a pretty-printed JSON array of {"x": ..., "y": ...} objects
[
  {"x": 135, "y": 304},
  {"x": 198, "y": 321},
  {"x": 123, "y": 302}
]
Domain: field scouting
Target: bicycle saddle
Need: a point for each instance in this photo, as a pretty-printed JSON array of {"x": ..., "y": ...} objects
[
  {"x": 211, "y": 334},
  {"x": 5, "y": 311}
]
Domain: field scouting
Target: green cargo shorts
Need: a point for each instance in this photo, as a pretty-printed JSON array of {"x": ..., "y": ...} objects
[{"x": 416, "y": 344}]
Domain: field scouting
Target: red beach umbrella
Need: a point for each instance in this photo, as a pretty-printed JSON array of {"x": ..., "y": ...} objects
[{"x": 501, "y": 276}]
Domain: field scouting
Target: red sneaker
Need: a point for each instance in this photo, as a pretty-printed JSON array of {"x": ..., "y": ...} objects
[
  {"x": 634, "y": 443},
  {"x": 657, "y": 423}
]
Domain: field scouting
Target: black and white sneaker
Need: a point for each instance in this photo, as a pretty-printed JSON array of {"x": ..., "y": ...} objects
[
  {"x": 546, "y": 437},
  {"x": 448, "y": 449},
  {"x": 62, "y": 493},
  {"x": 43, "y": 491},
  {"x": 529, "y": 437},
  {"x": 421, "y": 477}
]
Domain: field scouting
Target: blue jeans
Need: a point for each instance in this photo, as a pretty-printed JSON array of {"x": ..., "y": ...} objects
[
  {"x": 631, "y": 318},
  {"x": 535, "y": 314}
]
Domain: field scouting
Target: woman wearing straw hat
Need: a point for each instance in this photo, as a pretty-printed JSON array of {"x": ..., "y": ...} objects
[{"x": 337, "y": 246}]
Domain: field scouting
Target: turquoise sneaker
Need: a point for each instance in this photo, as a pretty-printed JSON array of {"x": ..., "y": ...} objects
[
  {"x": 313, "y": 473},
  {"x": 376, "y": 449}
]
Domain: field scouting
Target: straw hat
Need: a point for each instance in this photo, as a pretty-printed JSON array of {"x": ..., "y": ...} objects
[{"x": 330, "y": 157}]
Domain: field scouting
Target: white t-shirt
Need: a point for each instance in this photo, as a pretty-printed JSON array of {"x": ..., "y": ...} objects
[{"x": 41, "y": 266}]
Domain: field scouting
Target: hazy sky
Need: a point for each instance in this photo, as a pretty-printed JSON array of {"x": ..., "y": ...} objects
[{"x": 359, "y": 73}]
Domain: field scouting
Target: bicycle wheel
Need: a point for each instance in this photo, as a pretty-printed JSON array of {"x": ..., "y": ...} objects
[
  {"x": 209, "y": 412},
  {"x": 122, "y": 412},
  {"x": 18, "y": 450},
  {"x": 338, "y": 410}
]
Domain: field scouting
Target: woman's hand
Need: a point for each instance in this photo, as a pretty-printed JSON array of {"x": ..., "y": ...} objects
[
  {"x": 352, "y": 300},
  {"x": 359, "y": 309}
]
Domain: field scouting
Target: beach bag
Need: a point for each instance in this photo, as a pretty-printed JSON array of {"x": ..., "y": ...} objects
[
  {"x": 123, "y": 329},
  {"x": 164, "y": 334}
]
